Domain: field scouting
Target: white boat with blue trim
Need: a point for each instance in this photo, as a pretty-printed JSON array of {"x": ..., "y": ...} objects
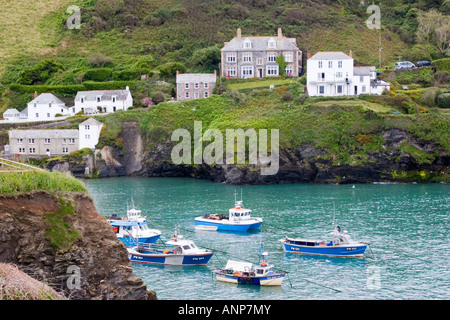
[
  {"x": 133, "y": 228},
  {"x": 239, "y": 219},
  {"x": 182, "y": 253},
  {"x": 340, "y": 245},
  {"x": 240, "y": 272}
]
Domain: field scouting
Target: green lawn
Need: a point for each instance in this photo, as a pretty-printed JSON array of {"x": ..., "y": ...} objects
[
  {"x": 260, "y": 83},
  {"x": 352, "y": 103}
]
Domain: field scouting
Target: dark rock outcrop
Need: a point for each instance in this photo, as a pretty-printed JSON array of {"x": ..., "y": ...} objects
[{"x": 96, "y": 256}]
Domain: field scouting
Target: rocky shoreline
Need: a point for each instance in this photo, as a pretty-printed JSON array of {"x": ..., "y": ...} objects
[{"x": 304, "y": 164}]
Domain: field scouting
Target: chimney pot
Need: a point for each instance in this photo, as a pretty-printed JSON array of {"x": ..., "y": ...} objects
[
  {"x": 308, "y": 54},
  {"x": 239, "y": 32},
  {"x": 215, "y": 72},
  {"x": 351, "y": 54},
  {"x": 178, "y": 72}
]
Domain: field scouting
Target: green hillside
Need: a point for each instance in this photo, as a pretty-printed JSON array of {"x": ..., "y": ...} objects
[{"x": 123, "y": 39}]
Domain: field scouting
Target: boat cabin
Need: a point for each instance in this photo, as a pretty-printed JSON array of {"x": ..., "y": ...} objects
[
  {"x": 239, "y": 212},
  {"x": 183, "y": 246}
]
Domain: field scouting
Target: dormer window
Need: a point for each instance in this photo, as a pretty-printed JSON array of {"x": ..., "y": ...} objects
[
  {"x": 247, "y": 43},
  {"x": 272, "y": 43},
  {"x": 82, "y": 100},
  {"x": 98, "y": 99},
  {"x": 114, "y": 99}
]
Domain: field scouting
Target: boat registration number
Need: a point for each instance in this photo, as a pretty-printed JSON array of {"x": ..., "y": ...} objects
[
  {"x": 351, "y": 249},
  {"x": 199, "y": 258},
  {"x": 295, "y": 248}
]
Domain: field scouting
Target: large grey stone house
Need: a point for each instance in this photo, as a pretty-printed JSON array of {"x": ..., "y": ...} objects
[
  {"x": 254, "y": 57},
  {"x": 43, "y": 142}
]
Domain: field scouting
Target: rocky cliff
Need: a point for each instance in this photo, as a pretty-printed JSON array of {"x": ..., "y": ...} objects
[
  {"x": 305, "y": 163},
  {"x": 64, "y": 242}
]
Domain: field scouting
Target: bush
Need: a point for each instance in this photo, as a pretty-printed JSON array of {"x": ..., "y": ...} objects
[
  {"x": 287, "y": 96},
  {"x": 63, "y": 90},
  {"x": 99, "y": 74},
  {"x": 430, "y": 96},
  {"x": 39, "y": 73},
  {"x": 170, "y": 69},
  {"x": 442, "y": 65},
  {"x": 110, "y": 85},
  {"x": 443, "y": 100},
  {"x": 159, "y": 97}
]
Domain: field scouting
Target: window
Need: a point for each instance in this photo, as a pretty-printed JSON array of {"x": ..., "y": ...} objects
[
  {"x": 186, "y": 95},
  {"x": 87, "y": 137},
  {"x": 37, "y": 115},
  {"x": 114, "y": 99},
  {"x": 205, "y": 85},
  {"x": 73, "y": 110},
  {"x": 339, "y": 64},
  {"x": 82, "y": 100},
  {"x": 48, "y": 115},
  {"x": 32, "y": 150},
  {"x": 288, "y": 70},
  {"x": 186, "y": 85},
  {"x": 71, "y": 140},
  {"x": 272, "y": 43},
  {"x": 19, "y": 141},
  {"x": 247, "y": 71},
  {"x": 247, "y": 57},
  {"x": 361, "y": 78},
  {"x": 320, "y": 64},
  {"x": 272, "y": 70},
  {"x": 330, "y": 64},
  {"x": 31, "y": 141},
  {"x": 259, "y": 61},
  {"x": 195, "y": 95},
  {"x": 206, "y": 94},
  {"x": 196, "y": 85},
  {"x": 231, "y": 71},
  {"x": 21, "y": 150},
  {"x": 35, "y": 105},
  {"x": 98, "y": 99},
  {"x": 65, "y": 150},
  {"x": 50, "y": 105},
  {"x": 321, "y": 76},
  {"x": 321, "y": 89},
  {"x": 247, "y": 43},
  {"x": 339, "y": 89},
  {"x": 271, "y": 57},
  {"x": 46, "y": 141},
  {"x": 64, "y": 141},
  {"x": 288, "y": 56},
  {"x": 231, "y": 57},
  {"x": 339, "y": 75},
  {"x": 363, "y": 89},
  {"x": 86, "y": 127}
]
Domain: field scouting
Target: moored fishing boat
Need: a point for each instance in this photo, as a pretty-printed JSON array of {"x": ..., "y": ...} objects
[
  {"x": 133, "y": 228},
  {"x": 240, "y": 272},
  {"x": 340, "y": 245},
  {"x": 239, "y": 219},
  {"x": 183, "y": 253}
]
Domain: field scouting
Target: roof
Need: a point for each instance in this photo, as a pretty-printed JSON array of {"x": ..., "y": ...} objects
[
  {"x": 238, "y": 265},
  {"x": 329, "y": 55},
  {"x": 13, "y": 111},
  {"x": 45, "y": 98},
  {"x": 196, "y": 77},
  {"x": 104, "y": 94},
  {"x": 91, "y": 121},
  {"x": 260, "y": 44},
  {"x": 40, "y": 134},
  {"x": 363, "y": 71}
]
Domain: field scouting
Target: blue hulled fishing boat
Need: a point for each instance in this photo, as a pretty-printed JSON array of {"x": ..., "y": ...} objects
[
  {"x": 133, "y": 228},
  {"x": 239, "y": 219},
  {"x": 239, "y": 272},
  {"x": 182, "y": 252},
  {"x": 340, "y": 245}
]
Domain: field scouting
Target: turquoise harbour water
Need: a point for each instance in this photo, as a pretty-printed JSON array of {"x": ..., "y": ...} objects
[{"x": 407, "y": 226}]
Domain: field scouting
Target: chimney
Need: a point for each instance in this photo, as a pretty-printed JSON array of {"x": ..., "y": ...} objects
[
  {"x": 280, "y": 34},
  {"x": 351, "y": 54},
  {"x": 215, "y": 72},
  {"x": 35, "y": 94},
  {"x": 239, "y": 32},
  {"x": 178, "y": 72},
  {"x": 308, "y": 54}
]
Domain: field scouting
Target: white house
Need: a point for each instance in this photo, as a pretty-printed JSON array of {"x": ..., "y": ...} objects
[
  {"x": 44, "y": 107},
  {"x": 89, "y": 132},
  {"x": 99, "y": 101},
  {"x": 334, "y": 74},
  {"x": 11, "y": 115}
]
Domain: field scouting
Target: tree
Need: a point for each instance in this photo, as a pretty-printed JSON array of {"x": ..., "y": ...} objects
[
  {"x": 434, "y": 28},
  {"x": 281, "y": 64}
]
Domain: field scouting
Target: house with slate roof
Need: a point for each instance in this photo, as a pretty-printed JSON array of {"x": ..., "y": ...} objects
[
  {"x": 255, "y": 56},
  {"x": 195, "y": 85},
  {"x": 43, "y": 108},
  {"x": 334, "y": 74},
  {"x": 102, "y": 101}
]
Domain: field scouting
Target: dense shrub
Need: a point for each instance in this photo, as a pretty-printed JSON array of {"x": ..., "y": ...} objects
[
  {"x": 442, "y": 65},
  {"x": 430, "y": 96},
  {"x": 98, "y": 74},
  {"x": 443, "y": 100},
  {"x": 170, "y": 69},
  {"x": 39, "y": 73},
  {"x": 63, "y": 90}
]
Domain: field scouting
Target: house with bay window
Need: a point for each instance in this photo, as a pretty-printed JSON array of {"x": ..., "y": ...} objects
[
  {"x": 334, "y": 74},
  {"x": 255, "y": 56}
]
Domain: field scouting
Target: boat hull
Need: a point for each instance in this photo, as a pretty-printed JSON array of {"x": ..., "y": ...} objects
[
  {"x": 355, "y": 250},
  {"x": 171, "y": 259},
  {"x": 274, "y": 280},
  {"x": 130, "y": 242},
  {"x": 224, "y": 225}
]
